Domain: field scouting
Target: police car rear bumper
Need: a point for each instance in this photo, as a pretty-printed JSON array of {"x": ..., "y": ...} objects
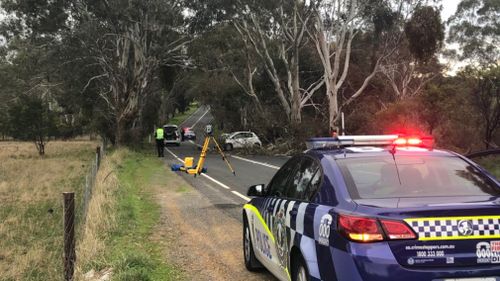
[{"x": 376, "y": 262}]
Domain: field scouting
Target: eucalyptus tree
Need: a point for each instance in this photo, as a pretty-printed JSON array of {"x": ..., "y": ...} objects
[
  {"x": 476, "y": 29},
  {"x": 272, "y": 35},
  {"x": 484, "y": 86},
  {"x": 128, "y": 41},
  {"x": 413, "y": 64},
  {"x": 279, "y": 28},
  {"x": 337, "y": 23}
]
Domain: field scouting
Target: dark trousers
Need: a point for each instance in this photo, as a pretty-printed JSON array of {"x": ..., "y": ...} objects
[{"x": 159, "y": 146}]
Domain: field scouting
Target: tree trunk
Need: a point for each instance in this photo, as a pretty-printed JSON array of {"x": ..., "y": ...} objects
[
  {"x": 333, "y": 109},
  {"x": 295, "y": 110},
  {"x": 119, "y": 131}
]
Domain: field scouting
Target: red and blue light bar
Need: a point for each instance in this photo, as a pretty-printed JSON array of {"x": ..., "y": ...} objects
[{"x": 371, "y": 140}]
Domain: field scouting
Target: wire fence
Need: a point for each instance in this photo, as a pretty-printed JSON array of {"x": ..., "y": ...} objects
[
  {"x": 69, "y": 212},
  {"x": 90, "y": 178}
]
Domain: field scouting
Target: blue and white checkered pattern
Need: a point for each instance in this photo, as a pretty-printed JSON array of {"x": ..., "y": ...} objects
[{"x": 436, "y": 228}]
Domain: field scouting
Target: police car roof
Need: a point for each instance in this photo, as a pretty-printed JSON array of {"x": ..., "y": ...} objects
[
  {"x": 374, "y": 145},
  {"x": 370, "y": 151}
]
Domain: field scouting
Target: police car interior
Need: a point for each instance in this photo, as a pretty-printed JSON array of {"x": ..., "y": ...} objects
[{"x": 385, "y": 207}]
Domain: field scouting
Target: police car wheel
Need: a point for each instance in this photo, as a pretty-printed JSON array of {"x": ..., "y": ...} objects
[
  {"x": 251, "y": 262},
  {"x": 300, "y": 272},
  {"x": 228, "y": 147}
]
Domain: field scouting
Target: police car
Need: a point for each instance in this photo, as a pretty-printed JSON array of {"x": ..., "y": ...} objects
[{"x": 375, "y": 208}]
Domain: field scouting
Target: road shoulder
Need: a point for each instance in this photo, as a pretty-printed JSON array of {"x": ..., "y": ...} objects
[{"x": 200, "y": 237}]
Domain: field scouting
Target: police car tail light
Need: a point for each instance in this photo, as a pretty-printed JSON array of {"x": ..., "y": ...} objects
[
  {"x": 360, "y": 229},
  {"x": 396, "y": 230}
]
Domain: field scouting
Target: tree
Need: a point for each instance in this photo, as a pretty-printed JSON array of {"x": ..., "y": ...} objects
[
  {"x": 474, "y": 26},
  {"x": 485, "y": 96},
  {"x": 413, "y": 64},
  {"x": 425, "y": 33},
  {"x": 31, "y": 119},
  {"x": 276, "y": 32},
  {"x": 133, "y": 40},
  {"x": 338, "y": 23}
]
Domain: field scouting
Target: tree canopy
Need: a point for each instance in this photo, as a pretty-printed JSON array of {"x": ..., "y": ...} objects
[{"x": 285, "y": 69}]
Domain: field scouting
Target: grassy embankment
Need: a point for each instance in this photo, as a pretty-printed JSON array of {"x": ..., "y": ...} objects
[
  {"x": 491, "y": 163},
  {"x": 31, "y": 232},
  {"x": 121, "y": 237},
  {"x": 130, "y": 251}
]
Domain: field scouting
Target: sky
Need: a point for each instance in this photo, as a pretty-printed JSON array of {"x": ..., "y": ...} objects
[{"x": 449, "y": 8}]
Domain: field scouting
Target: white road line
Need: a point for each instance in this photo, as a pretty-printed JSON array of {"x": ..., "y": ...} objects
[
  {"x": 208, "y": 110},
  {"x": 214, "y": 180},
  {"x": 191, "y": 116},
  {"x": 168, "y": 150},
  {"x": 240, "y": 195},
  {"x": 256, "y": 162}
]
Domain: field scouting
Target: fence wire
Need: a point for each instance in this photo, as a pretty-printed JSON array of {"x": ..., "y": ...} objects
[{"x": 90, "y": 178}]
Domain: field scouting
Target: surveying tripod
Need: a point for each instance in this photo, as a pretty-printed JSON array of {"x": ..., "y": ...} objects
[{"x": 198, "y": 169}]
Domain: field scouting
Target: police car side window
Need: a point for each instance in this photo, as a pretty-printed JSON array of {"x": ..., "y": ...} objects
[
  {"x": 278, "y": 185},
  {"x": 314, "y": 185},
  {"x": 302, "y": 178}
]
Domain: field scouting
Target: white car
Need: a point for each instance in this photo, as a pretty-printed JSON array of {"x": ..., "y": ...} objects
[
  {"x": 171, "y": 135},
  {"x": 242, "y": 139}
]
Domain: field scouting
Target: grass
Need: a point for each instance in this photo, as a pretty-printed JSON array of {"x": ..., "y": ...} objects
[
  {"x": 491, "y": 163},
  {"x": 101, "y": 218},
  {"x": 31, "y": 205},
  {"x": 132, "y": 253},
  {"x": 177, "y": 120}
]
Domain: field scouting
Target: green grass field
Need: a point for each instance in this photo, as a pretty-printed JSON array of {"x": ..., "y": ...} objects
[{"x": 132, "y": 253}]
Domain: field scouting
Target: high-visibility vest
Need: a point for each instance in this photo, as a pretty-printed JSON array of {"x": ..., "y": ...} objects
[{"x": 159, "y": 133}]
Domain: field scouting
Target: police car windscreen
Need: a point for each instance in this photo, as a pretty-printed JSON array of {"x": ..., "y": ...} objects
[{"x": 413, "y": 176}]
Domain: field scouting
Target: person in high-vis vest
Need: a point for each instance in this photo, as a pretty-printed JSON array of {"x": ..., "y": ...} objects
[{"x": 159, "y": 136}]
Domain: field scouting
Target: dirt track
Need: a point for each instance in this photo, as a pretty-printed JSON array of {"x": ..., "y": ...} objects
[{"x": 200, "y": 237}]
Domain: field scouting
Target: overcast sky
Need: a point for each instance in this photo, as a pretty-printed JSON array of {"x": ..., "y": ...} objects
[{"x": 449, "y": 8}]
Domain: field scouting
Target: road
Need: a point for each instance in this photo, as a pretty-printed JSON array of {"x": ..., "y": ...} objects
[
  {"x": 219, "y": 184},
  {"x": 214, "y": 209}
]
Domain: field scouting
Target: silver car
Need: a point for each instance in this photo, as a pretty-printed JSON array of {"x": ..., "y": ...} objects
[{"x": 242, "y": 139}]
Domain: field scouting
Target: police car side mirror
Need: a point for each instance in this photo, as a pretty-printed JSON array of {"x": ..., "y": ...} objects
[{"x": 256, "y": 190}]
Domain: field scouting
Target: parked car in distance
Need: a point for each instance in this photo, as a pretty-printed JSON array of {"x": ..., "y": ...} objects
[
  {"x": 189, "y": 134},
  {"x": 172, "y": 135},
  {"x": 241, "y": 139}
]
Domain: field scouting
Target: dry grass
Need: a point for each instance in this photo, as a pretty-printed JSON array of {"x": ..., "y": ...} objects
[
  {"x": 31, "y": 205},
  {"x": 101, "y": 217}
]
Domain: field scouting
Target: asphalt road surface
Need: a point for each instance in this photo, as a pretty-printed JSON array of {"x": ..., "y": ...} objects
[
  {"x": 223, "y": 195},
  {"x": 219, "y": 185}
]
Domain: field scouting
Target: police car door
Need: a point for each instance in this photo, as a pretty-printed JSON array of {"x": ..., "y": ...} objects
[
  {"x": 290, "y": 214},
  {"x": 274, "y": 215}
]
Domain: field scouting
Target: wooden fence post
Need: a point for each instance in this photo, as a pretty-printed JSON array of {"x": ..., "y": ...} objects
[
  {"x": 98, "y": 155},
  {"x": 69, "y": 235}
]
